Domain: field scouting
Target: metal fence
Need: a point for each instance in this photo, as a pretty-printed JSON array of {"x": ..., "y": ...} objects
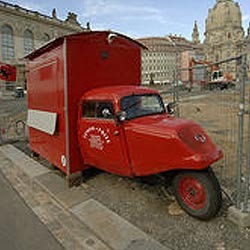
[
  {"x": 12, "y": 129},
  {"x": 222, "y": 109},
  {"x": 12, "y": 112},
  {"x": 243, "y": 160},
  {"x": 7, "y": 90}
]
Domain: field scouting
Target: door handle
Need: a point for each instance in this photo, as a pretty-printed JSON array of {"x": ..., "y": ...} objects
[{"x": 116, "y": 133}]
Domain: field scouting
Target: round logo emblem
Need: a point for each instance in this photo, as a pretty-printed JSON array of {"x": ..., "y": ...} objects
[{"x": 200, "y": 138}]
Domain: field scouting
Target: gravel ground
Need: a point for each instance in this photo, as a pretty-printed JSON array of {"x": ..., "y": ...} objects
[
  {"x": 148, "y": 207},
  {"x": 146, "y": 204}
]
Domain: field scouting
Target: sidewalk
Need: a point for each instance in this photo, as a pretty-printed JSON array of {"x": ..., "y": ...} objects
[
  {"x": 20, "y": 228},
  {"x": 73, "y": 218}
]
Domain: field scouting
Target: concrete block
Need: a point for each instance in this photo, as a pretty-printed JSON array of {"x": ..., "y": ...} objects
[
  {"x": 53, "y": 182},
  {"x": 238, "y": 217},
  {"x": 57, "y": 187},
  {"x": 24, "y": 162},
  {"x": 115, "y": 231}
]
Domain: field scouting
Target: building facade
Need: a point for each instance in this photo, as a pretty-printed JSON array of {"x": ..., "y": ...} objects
[
  {"x": 162, "y": 62},
  {"x": 22, "y": 31},
  {"x": 224, "y": 34},
  {"x": 224, "y": 38}
]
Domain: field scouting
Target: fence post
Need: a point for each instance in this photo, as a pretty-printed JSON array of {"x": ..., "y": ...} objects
[
  {"x": 247, "y": 174},
  {"x": 241, "y": 131},
  {"x": 174, "y": 84},
  {"x": 177, "y": 93}
]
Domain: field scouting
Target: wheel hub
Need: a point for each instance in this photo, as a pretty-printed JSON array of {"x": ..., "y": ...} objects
[{"x": 192, "y": 192}]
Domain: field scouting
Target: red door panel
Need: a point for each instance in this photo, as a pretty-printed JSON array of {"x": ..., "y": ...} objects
[{"x": 101, "y": 145}]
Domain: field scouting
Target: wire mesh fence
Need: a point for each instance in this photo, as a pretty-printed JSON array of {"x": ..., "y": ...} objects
[
  {"x": 13, "y": 110},
  {"x": 219, "y": 102},
  {"x": 215, "y": 103},
  {"x": 12, "y": 129}
]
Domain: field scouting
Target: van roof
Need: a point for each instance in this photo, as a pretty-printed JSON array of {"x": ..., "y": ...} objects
[
  {"x": 116, "y": 92},
  {"x": 58, "y": 41}
]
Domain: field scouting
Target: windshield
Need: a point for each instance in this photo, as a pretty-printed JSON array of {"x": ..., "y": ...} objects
[{"x": 142, "y": 105}]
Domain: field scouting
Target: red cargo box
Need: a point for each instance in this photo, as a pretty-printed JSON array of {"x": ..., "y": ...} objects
[{"x": 57, "y": 76}]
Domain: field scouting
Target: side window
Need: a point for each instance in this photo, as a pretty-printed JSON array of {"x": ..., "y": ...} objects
[
  {"x": 98, "y": 109},
  {"x": 89, "y": 109}
]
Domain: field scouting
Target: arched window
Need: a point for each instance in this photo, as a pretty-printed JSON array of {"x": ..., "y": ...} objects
[
  {"x": 28, "y": 40},
  {"x": 8, "y": 48}
]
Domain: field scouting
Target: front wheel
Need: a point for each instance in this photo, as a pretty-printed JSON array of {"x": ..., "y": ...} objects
[{"x": 198, "y": 193}]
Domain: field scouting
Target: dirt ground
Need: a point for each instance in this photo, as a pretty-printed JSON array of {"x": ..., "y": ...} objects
[{"x": 148, "y": 205}]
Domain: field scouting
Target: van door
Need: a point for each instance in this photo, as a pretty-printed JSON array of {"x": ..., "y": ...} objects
[{"x": 100, "y": 139}]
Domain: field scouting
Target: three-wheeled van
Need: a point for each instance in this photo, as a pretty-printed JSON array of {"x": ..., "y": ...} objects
[{"x": 86, "y": 109}]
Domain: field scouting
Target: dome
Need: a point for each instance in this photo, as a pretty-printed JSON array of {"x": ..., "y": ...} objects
[{"x": 225, "y": 13}]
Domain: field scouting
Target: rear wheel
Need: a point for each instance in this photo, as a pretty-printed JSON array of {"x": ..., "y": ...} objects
[{"x": 198, "y": 193}]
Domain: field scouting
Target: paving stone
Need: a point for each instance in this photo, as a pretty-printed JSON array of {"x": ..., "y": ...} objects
[
  {"x": 54, "y": 225},
  {"x": 72, "y": 197},
  {"x": 75, "y": 220},
  {"x": 57, "y": 186},
  {"x": 67, "y": 229},
  {"x": 28, "y": 165},
  {"x": 238, "y": 217},
  {"x": 142, "y": 244},
  {"x": 118, "y": 233},
  {"x": 53, "y": 182}
]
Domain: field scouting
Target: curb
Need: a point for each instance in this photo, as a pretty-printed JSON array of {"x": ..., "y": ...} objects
[
  {"x": 238, "y": 217},
  {"x": 75, "y": 220}
]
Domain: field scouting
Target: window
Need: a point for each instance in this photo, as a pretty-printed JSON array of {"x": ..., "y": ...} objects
[
  {"x": 28, "y": 40},
  {"x": 8, "y": 51},
  {"x": 88, "y": 109},
  {"x": 98, "y": 109},
  {"x": 142, "y": 105}
]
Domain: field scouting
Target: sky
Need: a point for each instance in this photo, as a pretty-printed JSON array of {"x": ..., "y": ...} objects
[{"x": 141, "y": 18}]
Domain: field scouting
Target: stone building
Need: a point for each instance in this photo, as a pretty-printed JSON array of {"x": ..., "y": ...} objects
[
  {"x": 22, "y": 31},
  {"x": 161, "y": 63},
  {"x": 224, "y": 35}
]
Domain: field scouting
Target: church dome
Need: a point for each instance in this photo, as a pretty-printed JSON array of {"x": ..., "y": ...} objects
[{"x": 225, "y": 13}]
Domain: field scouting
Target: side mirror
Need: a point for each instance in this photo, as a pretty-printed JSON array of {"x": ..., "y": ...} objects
[
  {"x": 170, "y": 107},
  {"x": 121, "y": 116}
]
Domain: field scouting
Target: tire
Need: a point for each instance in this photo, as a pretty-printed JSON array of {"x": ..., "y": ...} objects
[{"x": 198, "y": 193}]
